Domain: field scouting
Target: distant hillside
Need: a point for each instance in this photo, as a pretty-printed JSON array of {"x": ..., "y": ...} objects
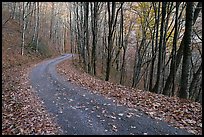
[
  {"x": 11, "y": 46},
  {"x": 12, "y": 40}
]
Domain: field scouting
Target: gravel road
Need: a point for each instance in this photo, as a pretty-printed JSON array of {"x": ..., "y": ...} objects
[{"x": 80, "y": 112}]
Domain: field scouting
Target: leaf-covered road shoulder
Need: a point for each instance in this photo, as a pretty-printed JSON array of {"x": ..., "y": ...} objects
[
  {"x": 182, "y": 114},
  {"x": 23, "y": 112}
]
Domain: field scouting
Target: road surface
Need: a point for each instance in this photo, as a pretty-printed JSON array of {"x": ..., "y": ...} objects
[{"x": 80, "y": 112}]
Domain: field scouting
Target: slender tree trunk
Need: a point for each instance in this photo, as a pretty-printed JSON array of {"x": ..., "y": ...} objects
[
  {"x": 104, "y": 42},
  {"x": 20, "y": 11},
  {"x": 86, "y": 13},
  {"x": 122, "y": 75},
  {"x": 94, "y": 36},
  {"x": 83, "y": 37},
  {"x": 174, "y": 50},
  {"x": 199, "y": 96},
  {"x": 23, "y": 29},
  {"x": 167, "y": 86},
  {"x": 13, "y": 10},
  {"x": 195, "y": 80},
  {"x": 52, "y": 19},
  {"x": 71, "y": 32},
  {"x": 184, "y": 90},
  {"x": 197, "y": 11},
  {"x": 179, "y": 54},
  {"x": 110, "y": 39},
  {"x": 124, "y": 49},
  {"x": 146, "y": 77},
  {"x": 78, "y": 36},
  {"x": 154, "y": 49},
  {"x": 112, "y": 18},
  {"x": 37, "y": 25},
  {"x": 157, "y": 86},
  {"x": 138, "y": 64},
  {"x": 169, "y": 6},
  {"x": 65, "y": 36}
]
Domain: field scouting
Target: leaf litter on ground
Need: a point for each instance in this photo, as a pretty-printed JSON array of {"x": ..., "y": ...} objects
[
  {"x": 23, "y": 112},
  {"x": 177, "y": 112}
]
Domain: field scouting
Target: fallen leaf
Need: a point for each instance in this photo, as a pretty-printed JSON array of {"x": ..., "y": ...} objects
[{"x": 121, "y": 114}]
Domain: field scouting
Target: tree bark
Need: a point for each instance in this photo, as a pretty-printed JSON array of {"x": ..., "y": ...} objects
[
  {"x": 157, "y": 86},
  {"x": 71, "y": 32},
  {"x": 37, "y": 25},
  {"x": 184, "y": 90},
  {"x": 154, "y": 49},
  {"x": 94, "y": 35},
  {"x": 52, "y": 19},
  {"x": 138, "y": 63},
  {"x": 23, "y": 29},
  {"x": 112, "y": 18},
  {"x": 167, "y": 89},
  {"x": 124, "y": 48},
  {"x": 195, "y": 80},
  {"x": 179, "y": 54},
  {"x": 86, "y": 40},
  {"x": 110, "y": 23}
]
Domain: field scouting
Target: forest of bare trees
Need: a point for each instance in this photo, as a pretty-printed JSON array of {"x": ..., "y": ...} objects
[
  {"x": 44, "y": 22},
  {"x": 164, "y": 38},
  {"x": 152, "y": 46}
]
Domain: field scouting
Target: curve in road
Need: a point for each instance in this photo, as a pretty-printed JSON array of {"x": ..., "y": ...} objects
[{"x": 80, "y": 112}]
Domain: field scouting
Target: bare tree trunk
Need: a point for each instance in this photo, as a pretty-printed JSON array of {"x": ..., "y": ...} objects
[
  {"x": 195, "y": 80},
  {"x": 20, "y": 11},
  {"x": 154, "y": 49},
  {"x": 37, "y": 25},
  {"x": 179, "y": 54},
  {"x": 83, "y": 37},
  {"x": 13, "y": 10},
  {"x": 199, "y": 96},
  {"x": 166, "y": 91},
  {"x": 104, "y": 42},
  {"x": 174, "y": 50},
  {"x": 157, "y": 86},
  {"x": 78, "y": 36},
  {"x": 163, "y": 76},
  {"x": 94, "y": 35},
  {"x": 122, "y": 75},
  {"x": 23, "y": 29},
  {"x": 112, "y": 18},
  {"x": 146, "y": 77},
  {"x": 110, "y": 23},
  {"x": 71, "y": 32},
  {"x": 138, "y": 63},
  {"x": 52, "y": 19},
  {"x": 65, "y": 36},
  {"x": 86, "y": 21},
  {"x": 124, "y": 50},
  {"x": 184, "y": 90}
]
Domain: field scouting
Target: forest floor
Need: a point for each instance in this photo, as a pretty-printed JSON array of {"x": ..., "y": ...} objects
[
  {"x": 22, "y": 111},
  {"x": 180, "y": 113}
]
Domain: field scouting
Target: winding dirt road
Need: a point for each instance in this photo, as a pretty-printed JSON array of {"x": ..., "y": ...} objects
[{"x": 80, "y": 112}]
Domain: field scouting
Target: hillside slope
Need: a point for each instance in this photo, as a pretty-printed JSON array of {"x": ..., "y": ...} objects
[
  {"x": 22, "y": 111},
  {"x": 180, "y": 113}
]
